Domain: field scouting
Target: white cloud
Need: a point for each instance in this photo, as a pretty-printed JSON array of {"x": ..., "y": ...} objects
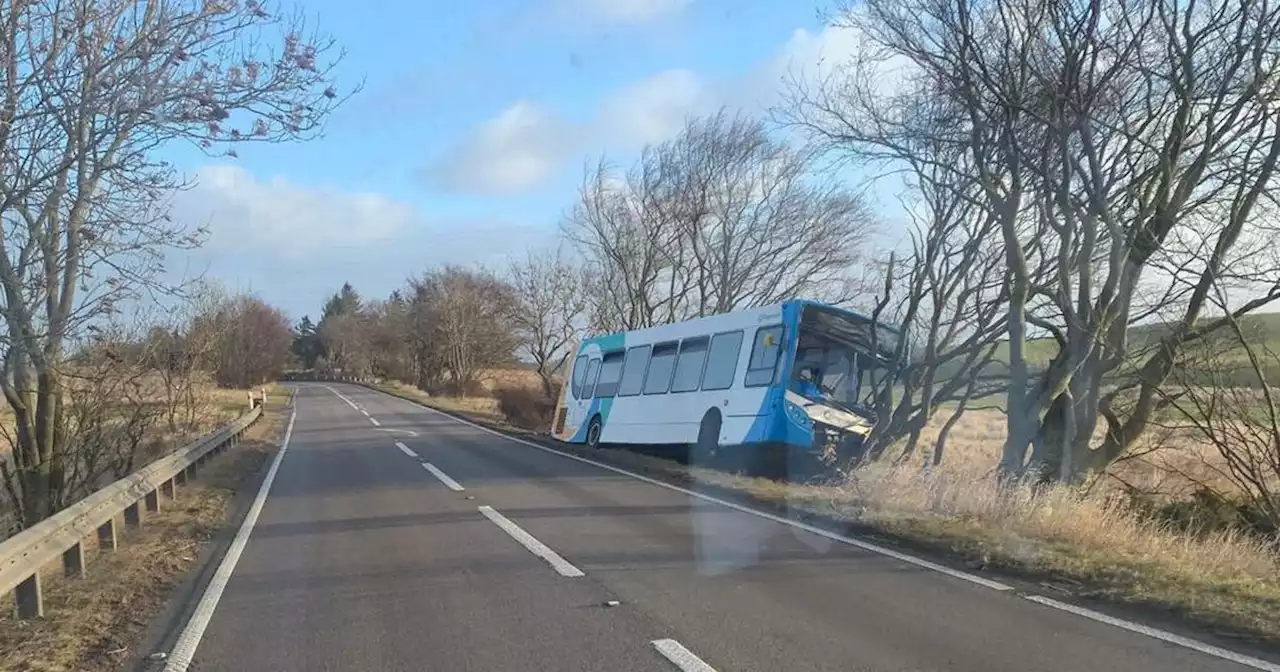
[
  {"x": 624, "y": 12},
  {"x": 653, "y": 109},
  {"x": 512, "y": 152},
  {"x": 288, "y": 219},
  {"x": 525, "y": 145}
]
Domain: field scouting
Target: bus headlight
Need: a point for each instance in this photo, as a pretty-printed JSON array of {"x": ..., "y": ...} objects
[{"x": 797, "y": 415}]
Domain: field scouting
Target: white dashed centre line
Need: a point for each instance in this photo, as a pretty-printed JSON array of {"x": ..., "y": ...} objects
[
  {"x": 406, "y": 449},
  {"x": 444, "y": 478},
  {"x": 375, "y": 422},
  {"x": 681, "y": 657},
  {"x": 535, "y": 547}
]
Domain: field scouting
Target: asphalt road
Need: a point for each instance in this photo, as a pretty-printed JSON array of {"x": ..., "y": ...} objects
[{"x": 363, "y": 559}]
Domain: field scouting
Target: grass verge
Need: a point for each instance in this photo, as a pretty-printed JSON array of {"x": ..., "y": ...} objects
[
  {"x": 95, "y": 623},
  {"x": 1060, "y": 542}
]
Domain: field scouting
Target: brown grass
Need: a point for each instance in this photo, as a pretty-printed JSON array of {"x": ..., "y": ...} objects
[
  {"x": 97, "y": 622},
  {"x": 1081, "y": 542}
]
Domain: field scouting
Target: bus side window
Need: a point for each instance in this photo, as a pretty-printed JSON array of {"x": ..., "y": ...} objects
[
  {"x": 661, "y": 365},
  {"x": 610, "y": 374},
  {"x": 764, "y": 356},
  {"x": 689, "y": 365},
  {"x": 589, "y": 383},
  {"x": 579, "y": 376},
  {"x": 633, "y": 371},
  {"x": 722, "y": 361}
]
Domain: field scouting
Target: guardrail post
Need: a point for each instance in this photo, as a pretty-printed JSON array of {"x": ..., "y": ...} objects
[
  {"x": 153, "y": 501},
  {"x": 28, "y": 598},
  {"x": 73, "y": 560},
  {"x": 107, "y": 535},
  {"x": 132, "y": 518},
  {"x": 169, "y": 488},
  {"x": 181, "y": 477}
]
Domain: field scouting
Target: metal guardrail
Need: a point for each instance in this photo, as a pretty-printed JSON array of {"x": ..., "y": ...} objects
[{"x": 23, "y": 555}]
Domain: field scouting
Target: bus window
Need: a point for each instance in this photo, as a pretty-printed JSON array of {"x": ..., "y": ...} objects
[
  {"x": 722, "y": 361},
  {"x": 610, "y": 374},
  {"x": 764, "y": 356},
  {"x": 633, "y": 371},
  {"x": 693, "y": 354},
  {"x": 661, "y": 365},
  {"x": 579, "y": 376},
  {"x": 589, "y": 382}
]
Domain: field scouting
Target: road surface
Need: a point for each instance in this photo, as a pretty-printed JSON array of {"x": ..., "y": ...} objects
[{"x": 501, "y": 556}]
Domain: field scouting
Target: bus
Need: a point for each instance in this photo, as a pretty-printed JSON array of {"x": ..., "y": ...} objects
[{"x": 752, "y": 389}]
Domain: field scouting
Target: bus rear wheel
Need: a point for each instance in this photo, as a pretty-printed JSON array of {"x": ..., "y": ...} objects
[
  {"x": 593, "y": 432},
  {"x": 704, "y": 451}
]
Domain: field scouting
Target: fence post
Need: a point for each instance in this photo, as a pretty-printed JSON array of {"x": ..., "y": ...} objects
[
  {"x": 132, "y": 518},
  {"x": 152, "y": 500},
  {"x": 169, "y": 488},
  {"x": 73, "y": 560},
  {"x": 107, "y": 535},
  {"x": 28, "y": 598}
]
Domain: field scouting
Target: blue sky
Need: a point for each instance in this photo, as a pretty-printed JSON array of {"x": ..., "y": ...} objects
[{"x": 468, "y": 139}]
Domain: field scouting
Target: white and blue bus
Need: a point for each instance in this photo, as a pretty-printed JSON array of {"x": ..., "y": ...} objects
[{"x": 753, "y": 388}]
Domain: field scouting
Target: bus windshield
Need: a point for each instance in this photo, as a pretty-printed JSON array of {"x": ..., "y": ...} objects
[
  {"x": 834, "y": 361},
  {"x": 831, "y": 371}
]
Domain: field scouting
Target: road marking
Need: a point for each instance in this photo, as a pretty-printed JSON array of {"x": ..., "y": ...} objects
[
  {"x": 185, "y": 648},
  {"x": 681, "y": 657},
  {"x": 1162, "y": 635},
  {"x": 410, "y": 432},
  {"x": 366, "y": 413},
  {"x": 535, "y": 547},
  {"x": 375, "y": 422},
  {"x": 444, "y": 478},
  {"x": 343, "y": 397},
  {"x": 864, "y": 545},
  {"x": 406, "y": 449}
]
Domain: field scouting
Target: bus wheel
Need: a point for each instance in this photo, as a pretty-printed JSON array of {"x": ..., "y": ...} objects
[
  {"x": 704, "y": 451},
  {"x": 593, "y": 432}
]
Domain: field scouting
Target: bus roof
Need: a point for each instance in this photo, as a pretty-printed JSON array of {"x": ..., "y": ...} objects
[{"x": 728, "y": 319}]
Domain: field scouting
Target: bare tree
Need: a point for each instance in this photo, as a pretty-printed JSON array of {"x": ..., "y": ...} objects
[
  {"x": 89, "y": 92},
  {"x": 1124, "y": 150},
  {"x": 722, "y": 217},
  {"x": 550, "y": 304},
  {"x": 467, "y": 313},
  {"x": 254, "y": 343}
]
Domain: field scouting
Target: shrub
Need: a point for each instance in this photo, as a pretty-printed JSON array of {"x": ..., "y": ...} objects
[{"x": 525, "y": 407}]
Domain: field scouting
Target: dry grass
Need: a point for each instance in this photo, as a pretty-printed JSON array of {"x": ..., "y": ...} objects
[
  {"x": 96, "y": 623},
  {"x": 1081, "y": 542}
]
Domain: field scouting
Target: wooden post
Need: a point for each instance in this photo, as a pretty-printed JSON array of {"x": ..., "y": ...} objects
[
  {"x": 132, "y": 518},
  {"x": 73, "y": 560},
  {"x": 107, "y": 536},
  {"x": 152, "y": 500},
  {"x": 28, "y": 598},
  {"x": 169, "y": 488}
]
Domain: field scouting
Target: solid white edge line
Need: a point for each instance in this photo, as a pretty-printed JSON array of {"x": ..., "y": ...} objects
[
  {"x": 535, "y": 547},
  {"x": 681, "y": 657},
  {"x": 184, "y": 649},
  {"x": 375, "y": 422},
  {"x": 406, "y": 449},
  {"x": 341, "y": 396},
  {"x": 443, "y": 477},
  {"x": 1156, "y": 633}
]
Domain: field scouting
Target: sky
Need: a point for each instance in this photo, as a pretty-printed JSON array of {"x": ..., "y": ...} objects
[{"x": 469, "y": 135}]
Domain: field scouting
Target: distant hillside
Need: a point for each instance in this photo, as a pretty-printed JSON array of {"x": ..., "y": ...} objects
[{"x": 1260, "y": 328}]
